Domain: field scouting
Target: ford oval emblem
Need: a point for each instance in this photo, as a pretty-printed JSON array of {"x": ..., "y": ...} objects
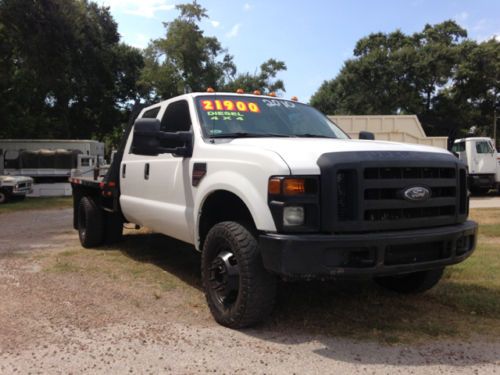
[{"x": 417, "y": 194}]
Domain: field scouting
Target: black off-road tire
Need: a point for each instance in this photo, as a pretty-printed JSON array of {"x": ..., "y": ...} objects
[
  {"x": 90, "y": 223},
  {"x": 256, "y": 292},
  {"x": 4, "y": 197},
  {"x": 114, "y": 228},
  {"x": 412, "y": 283}
]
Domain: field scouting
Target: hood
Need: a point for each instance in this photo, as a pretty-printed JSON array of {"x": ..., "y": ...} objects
[
  {"x": 15, "y": 179},
  {"x": 301, "y": 154}
]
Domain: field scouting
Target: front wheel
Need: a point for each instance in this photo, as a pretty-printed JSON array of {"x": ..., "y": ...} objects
[
  {"x": 239, "y": 291},
  {"x": 411, "y": 283}
]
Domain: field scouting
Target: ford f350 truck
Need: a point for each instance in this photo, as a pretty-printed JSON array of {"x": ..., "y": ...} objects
[{"x": 266, "y": 188}]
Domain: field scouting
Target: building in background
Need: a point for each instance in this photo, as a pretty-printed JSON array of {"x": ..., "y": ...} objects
[{"x": 396, "y": 128}]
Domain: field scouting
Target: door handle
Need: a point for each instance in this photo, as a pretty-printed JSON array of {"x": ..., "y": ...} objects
[
  {"x": 124, "y": 170},
  {"x": 146, "y": 171}
]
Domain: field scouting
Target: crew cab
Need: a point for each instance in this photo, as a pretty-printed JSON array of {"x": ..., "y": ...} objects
[{"x": 267, "y": 188}]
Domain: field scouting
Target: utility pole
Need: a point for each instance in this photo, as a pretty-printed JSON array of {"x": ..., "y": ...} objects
[
  {"x": 495, "y": 126},
  {"x": 495, "y": 103}
]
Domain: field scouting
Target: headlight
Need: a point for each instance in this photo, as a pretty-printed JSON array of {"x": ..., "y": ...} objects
[
  {"x": 294, "y": 203},
  {"x": 293, "y": 215}
]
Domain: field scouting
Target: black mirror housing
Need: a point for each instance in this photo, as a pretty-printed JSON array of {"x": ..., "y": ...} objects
[
  {"x": 148, "y": 136},
  {"x": 146, "y": 140},
  {"x": 366, "y": 135}
]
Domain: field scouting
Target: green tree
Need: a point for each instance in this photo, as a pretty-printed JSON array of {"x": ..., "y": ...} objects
[
  {"x": 265, "y": 80},
  {"x": 63, "y": 71},
  {"x": 449, "y": 81},
  {"x": 186, "y": 60},
  {"x": 477, "y": 83}
]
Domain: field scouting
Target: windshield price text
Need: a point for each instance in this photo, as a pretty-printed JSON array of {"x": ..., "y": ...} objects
[{"x": 229, "y": 105}]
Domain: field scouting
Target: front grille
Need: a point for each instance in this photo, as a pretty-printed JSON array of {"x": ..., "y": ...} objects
[
  {"x": 370, "y": 191},
  {"x": 408, "y": 213},
  {"x": 408, "y": 172}
]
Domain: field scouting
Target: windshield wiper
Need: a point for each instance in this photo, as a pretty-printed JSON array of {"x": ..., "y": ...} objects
[
  {"x": 309, "y": 135},
  {"x": 248, "y": 135}
]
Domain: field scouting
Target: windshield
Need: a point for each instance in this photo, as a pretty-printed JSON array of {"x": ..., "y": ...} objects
[{"x": 225, "y": 116}]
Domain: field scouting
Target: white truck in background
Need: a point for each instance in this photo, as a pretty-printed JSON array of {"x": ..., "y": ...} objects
[
  {"x": 483, "y": 163},
  {"x": 266, "y": 188},
  {"x": 12, "y": 187}
]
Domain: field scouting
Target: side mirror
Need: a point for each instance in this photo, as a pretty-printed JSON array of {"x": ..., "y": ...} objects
[
  {"x": 147, "y": 139},
  {"x": 366, "y": 135}
]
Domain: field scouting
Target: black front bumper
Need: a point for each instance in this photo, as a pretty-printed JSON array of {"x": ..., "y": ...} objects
[
  {"x": 482, "y": 181},
  {"x": 367, "y": 254}
]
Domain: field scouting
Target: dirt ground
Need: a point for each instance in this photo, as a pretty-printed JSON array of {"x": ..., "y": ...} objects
[{"x": 65, "y": 310}]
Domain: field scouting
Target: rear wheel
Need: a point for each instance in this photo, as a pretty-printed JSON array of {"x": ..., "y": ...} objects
[
  {"x": 90, "y": 223},
  {"x": 412, "y": 283},
  {"x": 239, "y": 291}
]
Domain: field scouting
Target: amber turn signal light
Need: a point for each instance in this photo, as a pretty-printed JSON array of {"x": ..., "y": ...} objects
[
  {"x": 274, "y": 186},
  {"x": 294, "y": 186},
  {"x": 288, "y": 186}
]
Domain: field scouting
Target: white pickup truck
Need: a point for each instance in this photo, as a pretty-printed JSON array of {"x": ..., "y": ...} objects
[
  {"x": 14, "y": 187},
  {"x": 267, "y": 188}
]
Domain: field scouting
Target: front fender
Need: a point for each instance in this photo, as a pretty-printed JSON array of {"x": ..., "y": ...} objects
[{"x": 252, "y": 193}]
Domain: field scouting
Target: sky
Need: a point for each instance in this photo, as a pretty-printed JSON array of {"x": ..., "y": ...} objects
[{"x": 313, "y": 38}]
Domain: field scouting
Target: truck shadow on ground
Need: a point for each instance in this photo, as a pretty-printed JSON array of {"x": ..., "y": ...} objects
[
  {"x": 341, "y": 314},
  {"x": 173, "y": 256}
]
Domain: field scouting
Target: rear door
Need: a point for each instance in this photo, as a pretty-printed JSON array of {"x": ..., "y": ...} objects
[{"x": 134, "y": 187}]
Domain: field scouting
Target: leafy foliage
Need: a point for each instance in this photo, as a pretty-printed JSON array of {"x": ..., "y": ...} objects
[
  {"x": 186, "y": 60},
  {"x": 65, "y": 74},
  {"x": 63, "y": 71},
  {"x": 449, "y": 81}
]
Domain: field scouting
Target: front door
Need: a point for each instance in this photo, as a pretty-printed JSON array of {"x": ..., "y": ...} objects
[{"x": 484, "y": 158}]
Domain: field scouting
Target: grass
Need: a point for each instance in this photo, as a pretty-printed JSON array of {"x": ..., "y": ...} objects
[
  {"x": 36, "y": 204},
  {"x": 126, "y": 263},
  {"x": 465, "y": 303}
]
